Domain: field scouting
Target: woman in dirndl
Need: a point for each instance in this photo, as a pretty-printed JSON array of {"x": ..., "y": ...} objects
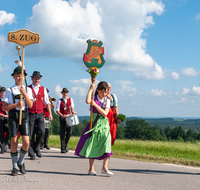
[
  {"x": 112, "y": 114},
  {"x": 95, "y": 143}
]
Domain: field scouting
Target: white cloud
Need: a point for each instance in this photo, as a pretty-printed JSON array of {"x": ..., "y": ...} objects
[
  {"x": 65, "y": 27},
  {"x": 58, "y": 89},
  {"x": 197, "y": 16},
  {"x": 183, "y": 100},
  {"x": 175, "y": 76},
  {"x": 6, "y": 18},
  {"x": 186, "y": 90},
  {"x": 196, "y": 90},
  {"x": 158, "y": 92},
  {"x": 189, "y": 72}
]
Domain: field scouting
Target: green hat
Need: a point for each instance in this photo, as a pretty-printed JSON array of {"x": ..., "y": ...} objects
[
  {"x": 2, "y": 89},
  {"x": 36, "y": 74},
  {"x": 18, "y": 70},
  {"x": 65, "y": 90}
]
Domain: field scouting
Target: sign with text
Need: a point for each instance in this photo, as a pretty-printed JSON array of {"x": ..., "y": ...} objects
[{"x": 23, "y": 37}]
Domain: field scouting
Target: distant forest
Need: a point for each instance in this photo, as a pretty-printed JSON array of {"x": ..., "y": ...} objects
[{"x": 163, "y": 129}]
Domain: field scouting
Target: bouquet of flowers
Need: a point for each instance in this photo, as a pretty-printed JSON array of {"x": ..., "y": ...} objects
[
  {"x": 120, "y": 118},
  {"x": 93, "y": 71}
]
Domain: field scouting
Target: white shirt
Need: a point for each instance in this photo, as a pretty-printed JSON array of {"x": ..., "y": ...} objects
[
  {"x": 65, "y": 100},
  {"x": 8, "y": 98},
  {"x": 108, "y": 101},
  {"x": 46, "y": 97}
]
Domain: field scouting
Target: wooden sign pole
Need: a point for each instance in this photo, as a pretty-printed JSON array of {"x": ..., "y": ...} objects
[
  {"x": 22, "y": 80},
  {"x": 24, "y": 38},
  {"x": 93, "y": 59}
]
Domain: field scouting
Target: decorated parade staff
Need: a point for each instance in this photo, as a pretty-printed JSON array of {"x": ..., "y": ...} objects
[
  {"x": 36, "y": 114},
  {"x": 112, "y": 115},
  {"x": 12, "y": 104},
  {"x": 95, "y": 141},
  {"x": 65, "y": 107},
  {"x": 4, "y": 132},
  {"x": 48, "y": 123}
]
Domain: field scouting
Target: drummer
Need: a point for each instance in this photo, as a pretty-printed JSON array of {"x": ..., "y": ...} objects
[{"x": 64, "y": 107}]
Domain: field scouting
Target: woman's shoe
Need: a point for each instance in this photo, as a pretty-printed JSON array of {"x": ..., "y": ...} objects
[
  {"x": 107, "y": 173},
  {"x": 92, "y": 173}
]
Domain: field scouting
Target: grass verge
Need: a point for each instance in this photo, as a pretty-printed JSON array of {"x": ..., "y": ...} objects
[{"x": 183, "y": 153}]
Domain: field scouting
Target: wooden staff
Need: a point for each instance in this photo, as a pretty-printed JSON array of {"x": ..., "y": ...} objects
[
  {"x": 91, "y": 109},
  {"x": 23, "y": 37},
  {"x": 22, "y": 80}
]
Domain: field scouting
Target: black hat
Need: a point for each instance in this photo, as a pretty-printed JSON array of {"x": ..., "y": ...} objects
[
  {"x": 18, "y": 70},
  {"x": 65, "y": 90},
  {"x": 2, "y": 89},
  {"x": 36, "y": 74}
]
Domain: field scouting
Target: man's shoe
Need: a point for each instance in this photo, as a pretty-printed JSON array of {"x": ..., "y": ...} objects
[
  {"x": 63, "y": 151},
  {"x": 47, "y": 147},
  {"x": 14, "y": 172},
  {"x": 41, "y": 147},
  {"x": 67, "y": 150},
  {"x": 32, "y": 158},
  {"x": 38, "y": 154},
  {"x": 22, "y": 168}
]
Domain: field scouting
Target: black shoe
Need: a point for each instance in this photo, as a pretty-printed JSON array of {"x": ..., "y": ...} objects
[
  {"x": 14, "y": 172},
  {"x": 41, "y": 147},
  {"x": 63, "y": 151},
  {"x": 67, "y": 150},
  {"x": 22, "y": 168},
  {"x": 38, "y": 154},
  {"x": 32, "y": 158},
  {"x": 47, "y": 147}
]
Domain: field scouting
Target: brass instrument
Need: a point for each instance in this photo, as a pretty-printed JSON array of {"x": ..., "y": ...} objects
[{"x": 52, "y": 99}]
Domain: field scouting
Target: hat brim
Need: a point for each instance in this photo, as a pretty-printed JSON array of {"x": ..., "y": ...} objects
[
  {"x": 19, "y": 73},
  {"x": 37, "y": 76}
]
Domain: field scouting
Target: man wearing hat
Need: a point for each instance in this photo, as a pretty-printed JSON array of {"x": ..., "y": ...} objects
[
  {"x": 3, "y": 123},
  {"x": 36, "y": 114},
  {"x": 12, "y": 104},
  {"x": 64, "y": 107}
]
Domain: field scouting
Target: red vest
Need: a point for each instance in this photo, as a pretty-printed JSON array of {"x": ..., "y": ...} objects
[
  {"x": 1, "y": 110},
  {"x": 46, "y": 113},
  {"x": 63, "y": 109},
  {"x": 38, "y": 105}
]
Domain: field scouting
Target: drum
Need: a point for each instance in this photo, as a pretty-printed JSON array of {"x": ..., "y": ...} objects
[
  {"x": 47, "y": 124},
  {"x": 72, "y": 120}
]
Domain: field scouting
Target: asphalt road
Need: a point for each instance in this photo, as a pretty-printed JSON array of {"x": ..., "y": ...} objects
[{"x": 66, "y": 171}]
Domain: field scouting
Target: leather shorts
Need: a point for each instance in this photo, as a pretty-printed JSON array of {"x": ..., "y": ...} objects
[{"x": 14, "y": 127}]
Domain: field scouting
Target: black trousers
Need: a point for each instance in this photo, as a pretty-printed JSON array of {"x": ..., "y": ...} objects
[
  {"x": 65, "y": 133},
  {"x": 36, "y": 125},
  {"x": 3, "y": 128}
]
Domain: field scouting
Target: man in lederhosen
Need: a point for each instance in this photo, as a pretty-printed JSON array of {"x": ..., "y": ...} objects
[
  {"x": 12, "y": 104},
  {"x": 64, "y": 107},
  {"x": 36, "y": 114},
  {"x": 4, "y": 132}
]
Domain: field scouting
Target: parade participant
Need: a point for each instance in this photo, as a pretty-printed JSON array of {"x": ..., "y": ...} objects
[
  {"x": 96, "y": 143},
  {"x": 64, "y": 107},
  {"x": 47, "y": 130},
  {"x": 112, "y": 114},
  {"x": 12, "y": 104},
  {"x": 36, "y": 114},
  {"x": 4, "y": 132}
]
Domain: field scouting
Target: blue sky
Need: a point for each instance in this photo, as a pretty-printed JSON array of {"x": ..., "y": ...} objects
[{"x": 151, "y": 51}]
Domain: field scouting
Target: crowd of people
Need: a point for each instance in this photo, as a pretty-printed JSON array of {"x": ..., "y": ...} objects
[{"x": 37, "y": 105}]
